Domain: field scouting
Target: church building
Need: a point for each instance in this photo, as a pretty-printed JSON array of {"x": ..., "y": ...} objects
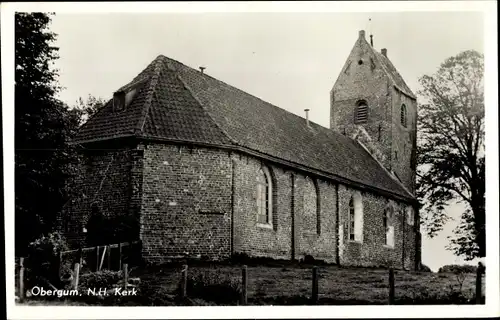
[{"x": 205, "y": 170}]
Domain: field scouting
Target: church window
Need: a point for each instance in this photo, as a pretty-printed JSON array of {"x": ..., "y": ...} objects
[
  {"x": 312, "y": 206},
  {"x": 403, "y": 116},
  {"x": 351, "y": 219},
  {"x": 361, "y": 112},
  {"x": 355, "y": 218},
  {"x": 388, "y": 227},
  {"x": 360, "y": 62},
  {"x": 264, "y": 196},
  {"x": 409, "y": 216}
]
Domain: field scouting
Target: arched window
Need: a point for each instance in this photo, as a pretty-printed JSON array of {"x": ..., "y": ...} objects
[
  {"x": 403, "y": 116},
  {"x": 388, "y": 226},
  {"x": 361, "y": 115},
  {"x": 311, "y": 206},
  {"x": 355, "y": 218},
  {"x": 352, "y": 220},
  {"x": 264, "y": 196}
]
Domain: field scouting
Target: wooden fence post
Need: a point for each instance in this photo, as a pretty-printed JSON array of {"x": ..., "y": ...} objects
[
  {"x": 184, "y": 273},
  {"x": 109, "y": 257},
  {"x": 244, "y": 285},
  {"x": 97, "y": 258},
  {"x": 125, "y": 276},
  {"x": 77, "y": 275},
  {"x": 102, "y": 258},
  {"x": 391, "y": 286},
  {"x": 56, "y": 270},
  {"x": 21, "y": 280},
  {"x": 314, "y": 295},
  {"x": 120, "y": 256},
  {"x": 80, "y": 255},
  {"x": 479, "y": 282}
]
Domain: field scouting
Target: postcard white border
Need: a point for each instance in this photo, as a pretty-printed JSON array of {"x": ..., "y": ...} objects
[{"x": 489, "y": 8}]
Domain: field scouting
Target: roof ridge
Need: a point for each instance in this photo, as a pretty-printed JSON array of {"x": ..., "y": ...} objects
[
  {"x": 244, "y": 92},
  {"x": 203, "y": 108},
  {"x": 151, "y": 90}
]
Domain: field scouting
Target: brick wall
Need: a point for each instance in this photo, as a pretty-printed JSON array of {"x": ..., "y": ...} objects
[
  {"x": 187, "y": 197},
  {"x": 403, "y": 143},
  {"x": 298, "y": 208},
  {"x": 372, "y": 251},
  {"x": 249, "y": 236},
  {"x": 112, "y": 180},
  {"x": 410, "y": 241},
  {"x": 186, "y": 205}
]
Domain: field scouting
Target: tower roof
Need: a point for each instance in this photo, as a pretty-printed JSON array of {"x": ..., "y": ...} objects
[
  {"x": 393, "y": 74},
  {"x": 390, "y": 70},
  {"x": 177, "y": 103}
]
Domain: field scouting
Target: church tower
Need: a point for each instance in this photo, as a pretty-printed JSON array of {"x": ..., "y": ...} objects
[{"x": 371, "y": 103}]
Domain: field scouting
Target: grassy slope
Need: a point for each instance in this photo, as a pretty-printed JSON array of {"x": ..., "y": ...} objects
[{"x": 336, "y": 285}]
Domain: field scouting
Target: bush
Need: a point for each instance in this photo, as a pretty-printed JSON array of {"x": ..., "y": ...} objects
[
  {"x": 42, "y": 260},
  {"x": 99, "y": 279},
  {"x": 213, "y": 285},
  {"x": 456, "y": 268},
  {"x": 424, "y": 268}
]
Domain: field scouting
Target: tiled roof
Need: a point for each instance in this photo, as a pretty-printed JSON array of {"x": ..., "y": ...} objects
[
  {"x": 182, "y": 104},
  {"x": 393, "y": 74}
]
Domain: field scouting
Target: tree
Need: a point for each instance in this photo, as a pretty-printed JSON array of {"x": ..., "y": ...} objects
[
  {"x": 88, "y": 107},
  {"x": 41, "y": 130},
  {"x": 450, "y": 157}
]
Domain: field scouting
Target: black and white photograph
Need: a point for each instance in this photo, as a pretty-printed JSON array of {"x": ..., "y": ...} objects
[{"x": 239, "y": 159}]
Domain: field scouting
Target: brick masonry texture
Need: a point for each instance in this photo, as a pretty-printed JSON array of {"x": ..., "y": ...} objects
[
  {"x": 186, "y": 205},
  {"x": 369, "y": 81},
  {"x": 372, "y": 251},
  {"x": 189, "y": 198},
  {"x": 290, "y": 212},
  {"x": 111, "y": 179}
]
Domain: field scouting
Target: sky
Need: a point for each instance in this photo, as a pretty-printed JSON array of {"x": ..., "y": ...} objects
[{"x": 288, "y": 59}]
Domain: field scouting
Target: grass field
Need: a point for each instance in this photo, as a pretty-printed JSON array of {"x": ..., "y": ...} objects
[
  {"x": 291, "y": 285},
  {"x": 337, "y": 285}
]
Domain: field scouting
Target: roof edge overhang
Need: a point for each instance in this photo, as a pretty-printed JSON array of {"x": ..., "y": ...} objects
[
  {"x": 338, "y": 179},
  {"x": 409, "y": 95},
  {"x": 390, "y": 174},
  {"x": 237, "y": 148}
]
